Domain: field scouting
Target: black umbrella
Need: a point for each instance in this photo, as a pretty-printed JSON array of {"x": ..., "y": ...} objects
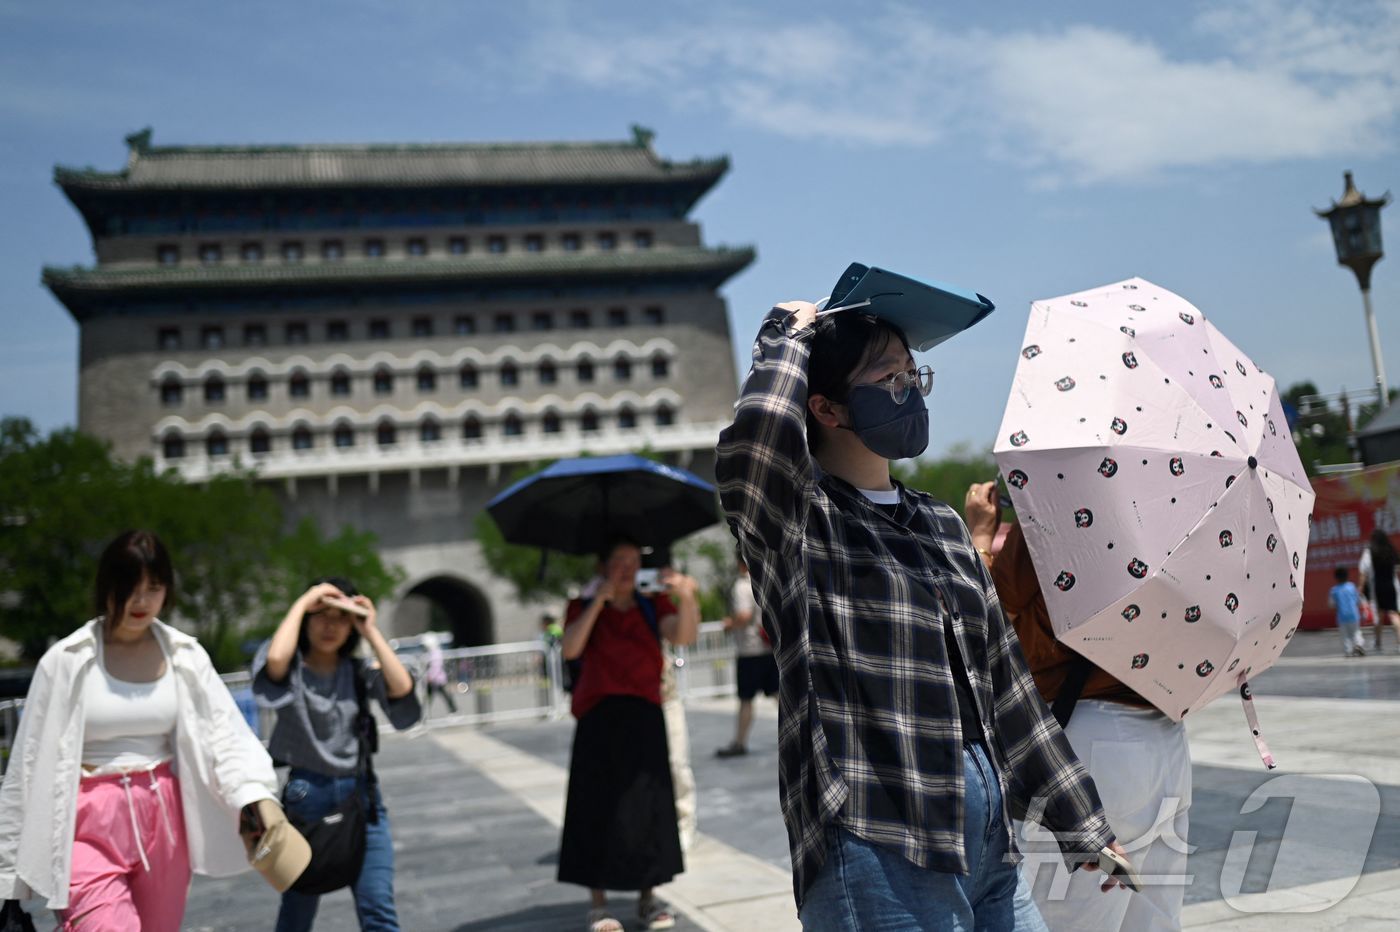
[{"x": 578, "y": 505}]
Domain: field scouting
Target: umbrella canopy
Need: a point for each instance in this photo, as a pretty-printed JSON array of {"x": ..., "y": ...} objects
[
  {"x": 1163, "y": 502},
  {"x": 577, "y": 505}
]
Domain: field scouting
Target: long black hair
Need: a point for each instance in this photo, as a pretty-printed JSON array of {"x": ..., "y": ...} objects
[
  {"x": 129, "y": 558},
  {"x": 842, "y": 344},
  {"x": 1383, "y": 555},
  {"x": 351, "y": 642}
]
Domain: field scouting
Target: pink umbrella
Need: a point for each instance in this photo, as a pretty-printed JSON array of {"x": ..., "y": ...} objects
[{"x": 1163, "y": 502}]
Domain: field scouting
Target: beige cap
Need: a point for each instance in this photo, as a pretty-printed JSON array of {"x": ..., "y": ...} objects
[{"x": 281, "y": 853}]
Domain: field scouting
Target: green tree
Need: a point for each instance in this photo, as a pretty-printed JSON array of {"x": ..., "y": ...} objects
[
  {"x": 535, "y": 575},
  {"x": 947, "y": 479},
  {"x": 1321, "y": 432},
  {"x": 64, "y": 497}
]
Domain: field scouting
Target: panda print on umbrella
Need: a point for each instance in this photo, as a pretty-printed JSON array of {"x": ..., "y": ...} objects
[{"x": 1102, "y": 516}]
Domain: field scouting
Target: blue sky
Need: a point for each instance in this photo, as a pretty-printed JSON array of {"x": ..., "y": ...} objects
[{"x": 1023, "y": 151}]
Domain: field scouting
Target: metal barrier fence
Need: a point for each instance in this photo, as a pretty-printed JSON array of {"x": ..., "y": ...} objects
[{"x": 487, "y": 685}]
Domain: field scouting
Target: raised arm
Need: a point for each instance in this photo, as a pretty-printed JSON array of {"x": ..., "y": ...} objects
[
  {"x": 765, "y": 473},
  {"x": 683, "y": 627},
  {"x": 578, "y": 630},
  {"x": 397, "y": 680},
  {"x": 283, "y": 645}
]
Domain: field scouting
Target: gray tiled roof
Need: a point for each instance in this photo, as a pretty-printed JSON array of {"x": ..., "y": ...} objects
[
  {"x": 717, "y": 263},
  {"x": 159, "y": 168},
  {"x": 1384, "y": 422}
]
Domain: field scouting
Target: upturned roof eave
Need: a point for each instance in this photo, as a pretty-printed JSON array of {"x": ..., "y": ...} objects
[{"x": 77, "y": 287}]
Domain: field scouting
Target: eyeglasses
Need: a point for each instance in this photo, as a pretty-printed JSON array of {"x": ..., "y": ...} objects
[{"x": 899, "y": 384}]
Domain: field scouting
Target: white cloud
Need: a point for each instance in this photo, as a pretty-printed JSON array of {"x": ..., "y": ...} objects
[{"x": 1268, "y": 81}]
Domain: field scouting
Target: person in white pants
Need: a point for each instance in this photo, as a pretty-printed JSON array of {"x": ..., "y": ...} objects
[{"x": 1138, "y": 758}]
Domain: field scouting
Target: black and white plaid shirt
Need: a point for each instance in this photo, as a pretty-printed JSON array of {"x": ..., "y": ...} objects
[{"x": 855, "y": 599}]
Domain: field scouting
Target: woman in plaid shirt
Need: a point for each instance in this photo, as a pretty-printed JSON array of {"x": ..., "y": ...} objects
[{"x": 909, "y": 727}]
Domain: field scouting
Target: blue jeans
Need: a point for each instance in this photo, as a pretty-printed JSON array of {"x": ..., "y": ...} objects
[
  {"x": 311, "y": 795},
  {"x": 867, "y": 886}
]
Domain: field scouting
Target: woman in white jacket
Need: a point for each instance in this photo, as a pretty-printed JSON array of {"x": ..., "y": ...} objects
[{"x": 131, "y": 763}]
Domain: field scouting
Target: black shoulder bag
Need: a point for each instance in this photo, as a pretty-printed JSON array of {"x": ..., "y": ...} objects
[{"x": 337, "y": 839}]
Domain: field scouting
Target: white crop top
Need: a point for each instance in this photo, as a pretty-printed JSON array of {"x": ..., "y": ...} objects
[{"x": 128, "y": 726}]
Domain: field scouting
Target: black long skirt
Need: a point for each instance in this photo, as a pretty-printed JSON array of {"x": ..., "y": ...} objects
[{"x": 620, "y": 819}]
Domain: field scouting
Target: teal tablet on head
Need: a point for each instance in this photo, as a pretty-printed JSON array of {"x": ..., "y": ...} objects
[{"x": 927, "y": 312}]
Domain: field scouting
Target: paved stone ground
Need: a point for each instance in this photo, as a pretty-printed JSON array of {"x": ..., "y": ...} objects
[{"x": 475, "y": 816}]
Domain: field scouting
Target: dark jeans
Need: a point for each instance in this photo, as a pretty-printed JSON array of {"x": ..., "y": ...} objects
[
  {"x": 310, "y": 796},
  {"x": 868, "y": 886}
]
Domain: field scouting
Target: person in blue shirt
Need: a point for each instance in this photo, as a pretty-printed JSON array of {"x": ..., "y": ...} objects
[{"x": 1344, "y": 598}]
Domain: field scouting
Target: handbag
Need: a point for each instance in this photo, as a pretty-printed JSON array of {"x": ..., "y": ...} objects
[
  {"x": 337, "y": 839},
  {"x": 13, "y": 918}
]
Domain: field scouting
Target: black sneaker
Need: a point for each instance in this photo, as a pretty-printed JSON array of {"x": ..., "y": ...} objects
[{"x": 732, "y": 750}]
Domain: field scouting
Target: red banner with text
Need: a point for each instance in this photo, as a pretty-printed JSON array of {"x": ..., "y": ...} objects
[{"x": 1348, "y": 508}]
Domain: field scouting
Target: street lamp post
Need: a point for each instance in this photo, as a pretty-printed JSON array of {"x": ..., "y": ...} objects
[{"x": 1356, "y": 232}]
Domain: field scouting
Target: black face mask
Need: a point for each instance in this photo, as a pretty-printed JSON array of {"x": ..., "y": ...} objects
[{"x": 894, "y": 431}]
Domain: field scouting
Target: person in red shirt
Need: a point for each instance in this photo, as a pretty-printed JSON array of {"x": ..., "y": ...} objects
[{"x": 620, "y": 816}]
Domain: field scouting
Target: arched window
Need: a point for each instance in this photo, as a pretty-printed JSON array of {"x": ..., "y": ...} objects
[
  {"x": 471, "y": 429},
  {"x": 427, "y": 379},
  {"x": 340, "y": 383},
  {"x": 171, "y": 391},
  {"x": 173, "y": 446},
  {"x": 551, "y": 423},
  {"x": 386, "y": 434},
  {"x": 257, "y": 387},
  {"x": 510, "y": 376},
  {"x": 301, "y": 438},
  {"x": 259, "y": 441},
  {"x": 214, "y": 388},
  {"x": 383, "y": 381},
  {"x": 429, "y": 431},
  {"x": 585, "y": 370},
  {"x": 299, "y": 385},
  {"x": 660, "y": 367},
  {"x": 467, "y": 375},
  {"x": 512, "y": 426},
  {"x": 589, "y": 421},
  {"x": 216, "y": 444},
  {"x": 665, "y": 417},
  {"x": 548, "y": 374},
  {"x": 626, "y": 418},
  {"x": 344, "y": 436},
  {"x": 622, "y": 369}
]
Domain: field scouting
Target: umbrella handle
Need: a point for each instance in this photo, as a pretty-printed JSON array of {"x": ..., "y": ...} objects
[{"x": 1247, "y": 700}]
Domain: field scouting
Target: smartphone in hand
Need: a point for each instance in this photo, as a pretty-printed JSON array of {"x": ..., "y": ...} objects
[
  {"x": 649, "y": 582},
  {"x": 1117, "y": 866}
]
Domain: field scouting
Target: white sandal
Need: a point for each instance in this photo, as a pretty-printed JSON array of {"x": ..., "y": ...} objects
[
  {"x": 601, "y": 920},
  {"x": 654, "y": 915}
]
